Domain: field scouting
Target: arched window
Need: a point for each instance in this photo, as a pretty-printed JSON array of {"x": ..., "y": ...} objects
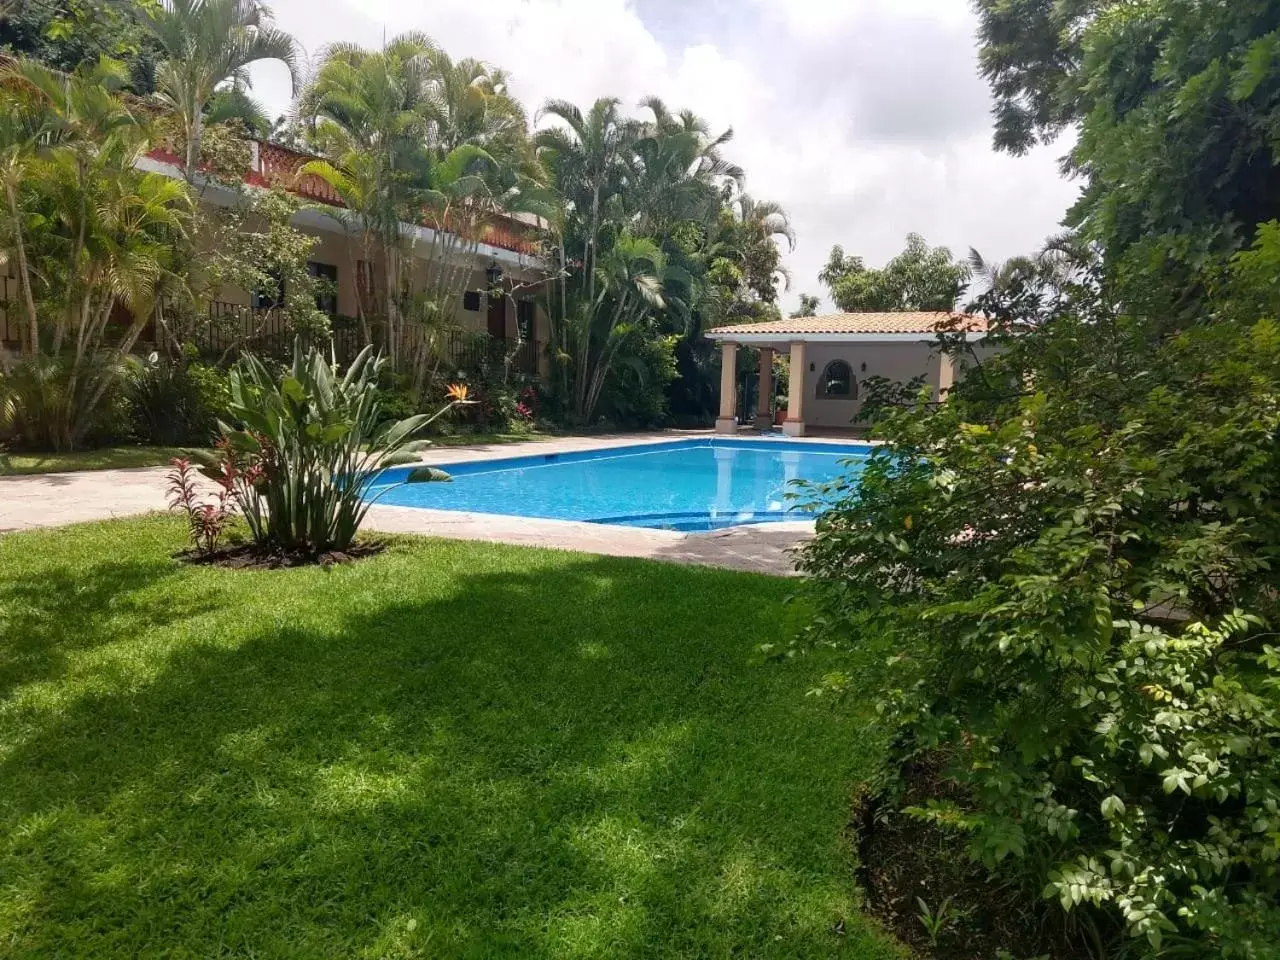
[{"x": 836, "y": 381}]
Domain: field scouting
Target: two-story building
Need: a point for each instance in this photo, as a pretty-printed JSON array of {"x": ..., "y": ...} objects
[{"x": 497, "y": 309}]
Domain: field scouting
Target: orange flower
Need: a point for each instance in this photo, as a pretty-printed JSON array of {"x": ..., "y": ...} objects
[{"x": 459, "y": 393}]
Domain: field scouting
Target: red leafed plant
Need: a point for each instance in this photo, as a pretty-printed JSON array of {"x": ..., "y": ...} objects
[{"x": 207, "y": 520}]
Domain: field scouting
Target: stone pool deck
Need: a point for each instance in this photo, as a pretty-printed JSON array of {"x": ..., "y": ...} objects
[{"x": 54, "y": 499}]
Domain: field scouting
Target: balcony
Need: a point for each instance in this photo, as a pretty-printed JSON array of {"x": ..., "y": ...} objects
[
  {"x": 273, "y": 164},
  {"x": 235, "y": 328}
]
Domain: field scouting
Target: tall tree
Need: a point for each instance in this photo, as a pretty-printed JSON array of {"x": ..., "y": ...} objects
[
  {"x": 1177, "y": 103},
  {"x": 64, "y": 34},
  {"x": 919, "y": 278},
  {"x": 91, "y": 233},
  {"x": 413, "y": 138},
  {"x": 627, "y": 183},
  {"x": 208, "y": 43},
  {"x": 808, "y": 306}
]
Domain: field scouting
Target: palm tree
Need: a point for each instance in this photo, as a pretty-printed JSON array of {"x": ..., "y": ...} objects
[
  {"x": 368, "y": 112},
  {"x": 207, "y": 43},
  {"x": 470, "y": 104},
  {"x": 23, "y": 125},
  {"x": 87, "y": 133},
  {"x": 414, "y": 137},
  {"x": 632, "y": 276},
  {"x": 676, "y": 172},
  {"x": 765, "y": 218},
  {"x": 234, "y": 103},
  {"x": 585, "y": 153},
  {"x": 109, "y": 236},
  {"x": 1060, "y": 261}
]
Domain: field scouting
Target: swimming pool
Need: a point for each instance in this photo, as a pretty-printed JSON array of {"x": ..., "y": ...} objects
[{"x": 695, "y": 484}]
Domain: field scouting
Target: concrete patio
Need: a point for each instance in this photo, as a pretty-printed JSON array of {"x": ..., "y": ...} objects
[{"x": 54, "y": 499}]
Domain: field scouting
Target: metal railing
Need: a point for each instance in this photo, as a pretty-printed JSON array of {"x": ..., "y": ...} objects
[{"x": 236, "y": 328}]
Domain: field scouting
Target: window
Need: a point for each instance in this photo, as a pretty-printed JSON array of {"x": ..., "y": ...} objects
[
  {"x": 526, "y": 310},
  {"x": 471, "y": 301},
  {"x": 326, "y": 275},
  {"x": 836, "y": 381}
]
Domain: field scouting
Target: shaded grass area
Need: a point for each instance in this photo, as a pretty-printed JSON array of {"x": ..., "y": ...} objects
[
  {"x": 115, "y": 458},
  {"x": 103, "y": 458},
  {"x": 484, "y": 439},
  {"x": 447, "y": 750}
]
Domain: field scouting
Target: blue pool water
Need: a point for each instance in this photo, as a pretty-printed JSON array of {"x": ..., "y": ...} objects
[{"x": 700, "y": 484}]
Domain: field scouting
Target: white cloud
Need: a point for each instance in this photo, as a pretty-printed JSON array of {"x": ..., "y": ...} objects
[{"x": 867, "y": 120}]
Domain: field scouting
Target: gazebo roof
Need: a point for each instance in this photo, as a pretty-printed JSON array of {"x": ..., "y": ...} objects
[{"x": 855, "y": 326}]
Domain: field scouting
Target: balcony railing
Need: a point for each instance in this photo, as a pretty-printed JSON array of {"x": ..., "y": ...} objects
[
  {"x": 273, "y": 164},
  {"x": 237, "y": 328}
]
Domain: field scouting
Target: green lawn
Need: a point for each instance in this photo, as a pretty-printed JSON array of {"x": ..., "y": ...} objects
[
  {"x": 114, "y": 458},
  {"x": 449, "y": 750},
  {"x": 477, "y": 439}
]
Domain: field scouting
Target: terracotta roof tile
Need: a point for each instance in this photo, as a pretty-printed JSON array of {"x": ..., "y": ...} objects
[{"x": 927, "y": 324}]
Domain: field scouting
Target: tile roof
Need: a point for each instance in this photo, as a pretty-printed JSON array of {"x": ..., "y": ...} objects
[{"x": 858, "y": 323}]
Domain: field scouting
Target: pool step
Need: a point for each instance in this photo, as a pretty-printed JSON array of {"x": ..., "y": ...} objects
[{"x": 697, "y": 522}]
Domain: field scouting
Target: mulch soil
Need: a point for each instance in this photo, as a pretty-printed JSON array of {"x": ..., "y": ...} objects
[
  {"x": 249, "y": 556},
  {"x": 905, "y": 861}
]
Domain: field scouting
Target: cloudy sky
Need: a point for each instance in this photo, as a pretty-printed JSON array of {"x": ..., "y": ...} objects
[{"x": 866, "y": 119}]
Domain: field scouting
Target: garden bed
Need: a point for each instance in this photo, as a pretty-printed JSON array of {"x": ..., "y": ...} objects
[
  {"x": 251, "y": 556},
  {"x": 922, "y": 885}
]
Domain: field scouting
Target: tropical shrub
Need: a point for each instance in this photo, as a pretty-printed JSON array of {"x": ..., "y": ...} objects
[
  {"x": 1073, "y": 562},
  {"x": 306, "y": 445},
  {"x": 207, "y": 520},
  {"x": 637, "y": 393},
  {"x": 38, "y": 397}
]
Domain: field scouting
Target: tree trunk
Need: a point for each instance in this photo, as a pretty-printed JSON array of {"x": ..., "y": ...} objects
[
  {"x": 194, "y": 136},
  {"x": 74, "y": 263},
  {"x": 99, "y": 387},
  {"x": 24, "y": 275},
  {"x": 394, "y": 332}
]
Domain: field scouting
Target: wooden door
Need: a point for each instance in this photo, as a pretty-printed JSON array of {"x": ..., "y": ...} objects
[{"x": 498, "y": 317}]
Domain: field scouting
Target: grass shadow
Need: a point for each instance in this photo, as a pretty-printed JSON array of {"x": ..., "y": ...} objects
[
  {"x": 451, "y": 750},
  {"x": 47, "y": 618}
]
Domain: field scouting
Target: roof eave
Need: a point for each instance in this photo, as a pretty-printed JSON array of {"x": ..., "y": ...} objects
[{"x": 731, "y": 336}]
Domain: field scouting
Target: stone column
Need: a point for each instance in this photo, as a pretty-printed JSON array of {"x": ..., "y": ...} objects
[
  {"x": 727, "y": 422},
  {"x": 764, "y": 398},
  {"x": 946, "y": 375},
  {"x": 796, "y": 388}
]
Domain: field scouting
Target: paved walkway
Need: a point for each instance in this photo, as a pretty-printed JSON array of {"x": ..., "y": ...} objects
[{"x": 53, "y": 499}]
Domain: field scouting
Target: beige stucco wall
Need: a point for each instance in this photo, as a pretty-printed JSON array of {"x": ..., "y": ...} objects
[
  {"x": 894, "y": 361},
  {"x": 338, "y": 249}
]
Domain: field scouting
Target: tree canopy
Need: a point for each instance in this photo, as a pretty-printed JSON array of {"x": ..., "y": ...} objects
[
  {"x": 919, "y": 278},
  {"x": 1176, "y": 103},
  {"x": 1070, "y": 555}
]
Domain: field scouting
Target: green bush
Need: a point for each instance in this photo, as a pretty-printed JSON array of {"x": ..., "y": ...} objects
[
  {"x": 1078, "y": 583},
  {"x": 39, "y": 400},
  {"x": 175, "y": 402},
  {"x": 636, "y": 394},
  {"x": 308, "y": 444}
]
